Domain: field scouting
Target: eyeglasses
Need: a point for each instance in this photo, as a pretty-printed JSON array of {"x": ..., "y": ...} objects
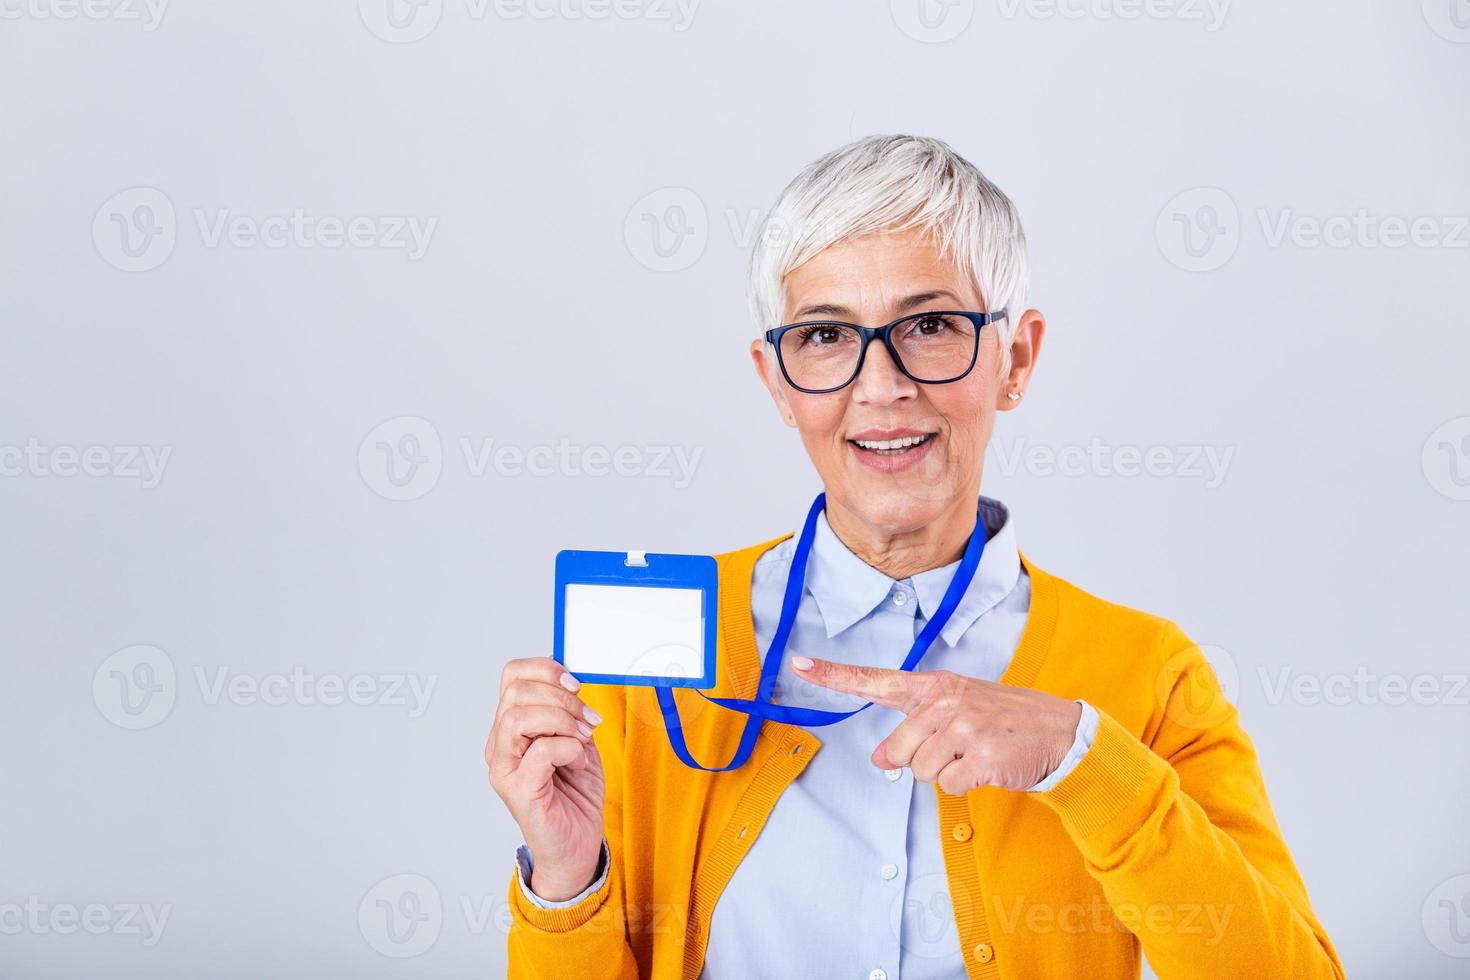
[{"x": 821, "y": 356}]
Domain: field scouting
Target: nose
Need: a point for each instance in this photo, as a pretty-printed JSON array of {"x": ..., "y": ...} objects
[{"x": 880, "y": 382}]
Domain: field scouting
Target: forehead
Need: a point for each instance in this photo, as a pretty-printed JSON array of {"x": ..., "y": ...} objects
[{"x": 873, "y": 275}]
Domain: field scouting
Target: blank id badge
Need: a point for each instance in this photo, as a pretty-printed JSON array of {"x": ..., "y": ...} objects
[{"x": 634, "y": 617}]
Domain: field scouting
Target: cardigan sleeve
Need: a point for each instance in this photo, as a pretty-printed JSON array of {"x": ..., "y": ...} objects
[
  {"x": 1180, "y": 834},
  {"x": 588, "y": 938}
]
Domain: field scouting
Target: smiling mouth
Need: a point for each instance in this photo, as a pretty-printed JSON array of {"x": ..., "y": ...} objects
[{"x": 892, "y": 447}]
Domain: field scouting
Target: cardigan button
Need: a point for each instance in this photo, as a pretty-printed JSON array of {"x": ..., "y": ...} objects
[
  {"x": 983, "y": 953},
  {"x": 961, "y": 832}
]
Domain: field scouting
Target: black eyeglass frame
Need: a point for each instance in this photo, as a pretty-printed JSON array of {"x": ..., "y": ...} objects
[{"x": 884, "y": 333}]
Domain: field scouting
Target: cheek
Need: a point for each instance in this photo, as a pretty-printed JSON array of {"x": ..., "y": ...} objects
[
  {"x": 970, "y": 414},
  {"x": 968, "y": 406},
  {"x": 818, "y": 418}
]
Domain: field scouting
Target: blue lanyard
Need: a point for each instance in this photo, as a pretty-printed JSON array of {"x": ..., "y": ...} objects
[{"x": 760, "y": 708}]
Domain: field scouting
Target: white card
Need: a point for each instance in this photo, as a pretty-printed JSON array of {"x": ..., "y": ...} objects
[{"x": 634, "y": 631}]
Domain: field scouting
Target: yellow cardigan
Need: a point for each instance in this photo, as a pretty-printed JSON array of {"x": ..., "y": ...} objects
[{"x": 1161, "y": 838}]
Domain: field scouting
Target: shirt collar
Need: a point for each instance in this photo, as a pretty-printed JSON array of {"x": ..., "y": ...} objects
[{"x": 846, "y": 588}]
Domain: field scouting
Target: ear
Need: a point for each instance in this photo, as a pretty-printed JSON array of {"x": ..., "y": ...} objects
[
  {"x": 770, "y": 373},
  {"x": 1025, "y": 349}
]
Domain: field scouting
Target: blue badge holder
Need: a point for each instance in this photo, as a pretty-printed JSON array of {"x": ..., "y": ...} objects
[{"x": 639, "y": 618}]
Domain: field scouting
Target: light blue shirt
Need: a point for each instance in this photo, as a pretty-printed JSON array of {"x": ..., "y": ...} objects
[{"x": 847, "y": 878}]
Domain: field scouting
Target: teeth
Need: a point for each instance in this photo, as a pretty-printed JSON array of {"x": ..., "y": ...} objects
[{"x": 903, "y": 443}]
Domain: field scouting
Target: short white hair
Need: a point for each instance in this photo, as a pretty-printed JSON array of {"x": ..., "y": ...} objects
[{"x": 893, "y": 184}]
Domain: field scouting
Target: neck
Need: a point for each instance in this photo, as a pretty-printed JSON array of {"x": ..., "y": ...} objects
[{"x": 900, "y": 554}]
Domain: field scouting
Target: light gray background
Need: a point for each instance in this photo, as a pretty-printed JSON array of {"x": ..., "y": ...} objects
[{"x": 1336, "y": 539}]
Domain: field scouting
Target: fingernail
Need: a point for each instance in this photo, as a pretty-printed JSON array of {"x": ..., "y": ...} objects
[
  {"x": 802, "y": 663},
  {"x": 569, "y": 682},
  {"x": 591, "y": 715},
  {"x": 582, "y": 727}
]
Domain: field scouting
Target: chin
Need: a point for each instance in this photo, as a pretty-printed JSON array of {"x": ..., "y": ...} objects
[{"x": 892, "y": 508}]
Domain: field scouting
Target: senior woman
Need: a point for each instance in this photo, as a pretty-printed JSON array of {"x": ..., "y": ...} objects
[{"x": 1055, "y": 786}]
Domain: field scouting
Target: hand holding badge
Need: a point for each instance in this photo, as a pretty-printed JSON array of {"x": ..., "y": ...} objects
[{"x": 635, "y": 618}]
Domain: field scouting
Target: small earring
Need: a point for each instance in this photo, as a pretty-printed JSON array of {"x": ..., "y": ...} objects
[{"x": 1015, "y": 396}]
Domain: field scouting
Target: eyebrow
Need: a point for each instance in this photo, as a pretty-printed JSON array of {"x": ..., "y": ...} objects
[{"x": 904, "y": 305}]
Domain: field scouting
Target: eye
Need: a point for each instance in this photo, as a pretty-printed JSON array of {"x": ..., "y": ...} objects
[
  {"x": 929, "y": 326},
  {"x": 821, "y": 335}
]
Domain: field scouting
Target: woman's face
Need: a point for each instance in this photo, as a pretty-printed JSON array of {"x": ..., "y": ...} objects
[{"x": 872, "y": 281}]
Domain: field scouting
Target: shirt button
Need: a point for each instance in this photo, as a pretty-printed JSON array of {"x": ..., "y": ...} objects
[
  {"x": 889, "y": 872},
  {"x": 983, "y": 953},
  {"x": 893, "y": 775},
  {"x": 878, "y": 975},
  {"x": 961, "y": 832},
  {"x": 899, "y": 598}
]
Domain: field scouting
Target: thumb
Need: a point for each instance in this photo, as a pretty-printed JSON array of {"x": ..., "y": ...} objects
[{"x": 880, "y": 757}]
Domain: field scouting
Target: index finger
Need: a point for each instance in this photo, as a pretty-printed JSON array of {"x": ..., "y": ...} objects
[
  {"x": 891, "y": 688},
  {"x": 544, "y": 669}
]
